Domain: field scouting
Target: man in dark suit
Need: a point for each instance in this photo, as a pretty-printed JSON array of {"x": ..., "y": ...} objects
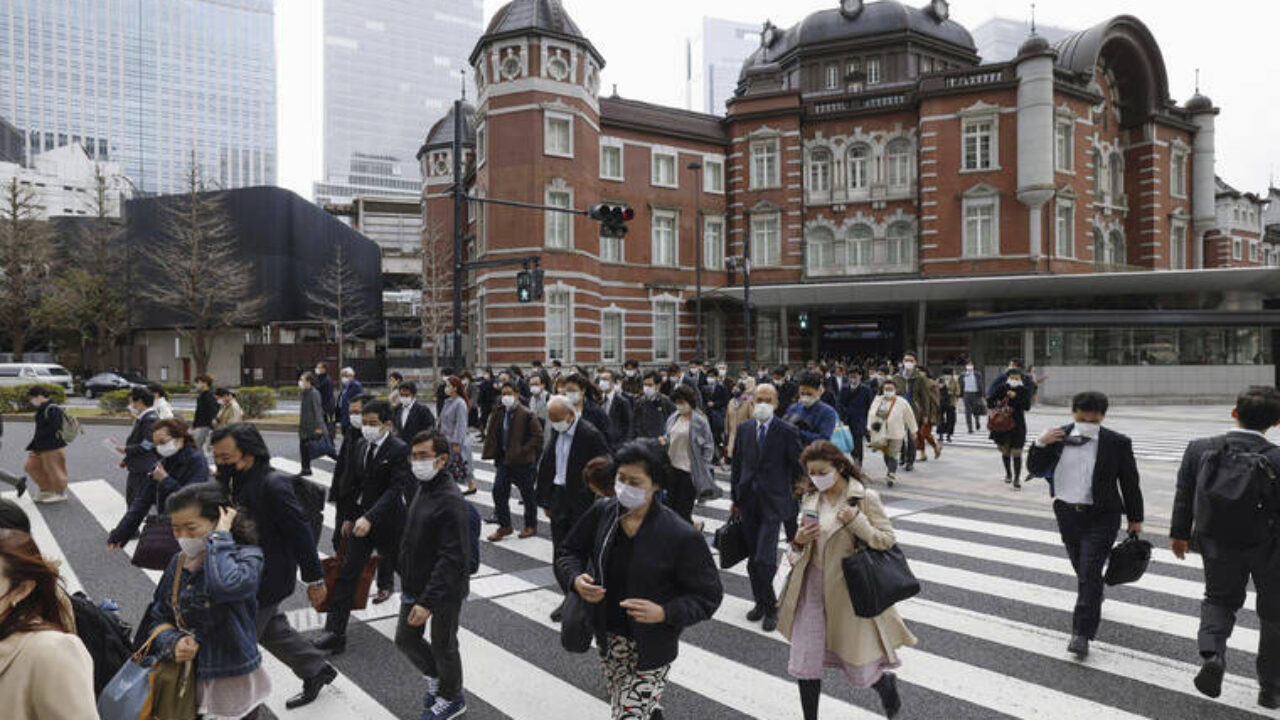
[
  {"x": 766, "y": 464},
  {"x": 412, "y": 417},
  {"x": 1094, "y": 477},
  {"x": 696, "y": 377},
  {"x": 562, "y": 492},
  {"x": 617, "y": 407},
  {"x": 786, "y": 388},
  {"x": 854, "y": 404},
  {"x": 324, "y": 385},
  {"x": 1235, "y": 548},
  {"x": 139, "y": 452},
  {"x": 715, "y": 398},
  {"x": 370, "y": 516},
  {"x": 351, "y": 389}
]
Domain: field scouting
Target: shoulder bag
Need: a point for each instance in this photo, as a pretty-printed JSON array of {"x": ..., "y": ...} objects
[
  {"x": 1001, "y": 419},
  {"x": 156, "y": 545},
  {"x": 878, "y": 579}
]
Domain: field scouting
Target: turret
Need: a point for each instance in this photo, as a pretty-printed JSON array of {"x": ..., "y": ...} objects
[
  {"x": 1034, "y": 65},
  {"x": 1203, "y": 212}
]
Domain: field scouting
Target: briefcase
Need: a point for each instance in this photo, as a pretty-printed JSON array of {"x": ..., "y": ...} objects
[
  {"x": 731, "y": 541},
  {"x": 332, "y": 566},
  {"x": 1128, "y": 561}
]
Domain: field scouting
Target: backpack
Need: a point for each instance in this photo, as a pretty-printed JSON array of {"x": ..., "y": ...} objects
[
  {"x": 104, "y": 635},
  {"x": 311, "y": 495},
  {"x": 70, "y": 428},
  {"x": 1236, "y": 494},
  {"x": 473, "y": 534}
]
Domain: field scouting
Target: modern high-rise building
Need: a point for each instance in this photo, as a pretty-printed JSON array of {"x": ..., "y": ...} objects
[
  {"x": 387, "y": 65},
  {"x": 713, "y": 61},
  {"x": 998, "y": 39},
  {"x": 147, "y": 84}
]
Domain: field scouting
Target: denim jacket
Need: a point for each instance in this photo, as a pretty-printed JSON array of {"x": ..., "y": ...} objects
[{"x": 218, "y": 602}]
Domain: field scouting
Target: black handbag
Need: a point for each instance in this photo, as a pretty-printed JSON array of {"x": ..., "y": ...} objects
[
  {"x": 576, "y": 626},
  {"x": 878, "y": 579},
  {"x": 156, "y": 545},
  {"x": 731, "y": 541},
  {"x": 1128, "y": 561}
]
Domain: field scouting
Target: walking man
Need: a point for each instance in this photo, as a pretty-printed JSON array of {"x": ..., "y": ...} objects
[
  {"x": 512, "y": 441},
  {"x": 312, "y": 423},
  {"x": 411, "y": 417},
  {"x": 206, "y": 413},
  {"x": 139, "y": 453},
  {"x": 971, "y": 389},
  {"x": 1227, "y": 507},
  {"x": 1093, "y": 477}
]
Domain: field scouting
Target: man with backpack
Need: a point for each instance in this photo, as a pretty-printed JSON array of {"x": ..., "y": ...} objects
[
  {"x": 1227, "y": 508},
  {"x": 46, "y": 453}
]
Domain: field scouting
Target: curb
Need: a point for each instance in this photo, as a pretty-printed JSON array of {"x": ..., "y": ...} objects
[{"x": 108, "y": 421}]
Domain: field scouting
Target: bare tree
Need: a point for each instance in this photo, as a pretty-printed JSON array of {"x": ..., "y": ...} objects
[
  {"x": 437, "y": 290},
  {"x": 26, "y": 254},
  {"x": 196, "y": 270},
  {"x": 339, "y": 298}
]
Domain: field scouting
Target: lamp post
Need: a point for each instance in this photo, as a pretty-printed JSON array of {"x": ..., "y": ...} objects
[{"x": 696, "y": 167}]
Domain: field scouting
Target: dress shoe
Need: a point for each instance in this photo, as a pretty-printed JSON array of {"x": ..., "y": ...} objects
[
  {"x": 558, "y": 613},
  {"x": 887, "y": 688},
  {"x": 306, "y": 472},
  {"x": 311, "y": 687},
  {"x": 382, "y": 596},
  {"x": 909, "y": 468},
  {"x": 332, "y": 643},
  {"x": 1267, "y": 699},
  {"x": 1079, "y": 646},
  {"x": 500, "y": 533},
  {"x": 889, "y": 479},
  {"x": 1209, "y": 680},
  {"x": 528, "y": 532},
  {"x": 471, "y": 490},
  {"x": 1017, "y": 484},
  {"x": 756, "y": 614},
  {"x": 770, "y": 620}
]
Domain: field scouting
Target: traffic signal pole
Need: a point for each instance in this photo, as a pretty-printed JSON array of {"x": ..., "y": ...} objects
[{"x": 459, "y": 206}]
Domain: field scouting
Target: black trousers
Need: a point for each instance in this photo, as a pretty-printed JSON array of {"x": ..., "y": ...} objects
[
  {"x": 280, "y": 639},
  {"x": 356, "y": 552},
  {"x": 948, "y": 425},
  {"x": 564, "y": 513},
  {"x": 1088, "y": 535},
  {"x": 304, "y": 452},
  {"x": 1227, "y": 571},
  {"x": 858, "y": 441},
  {"x": 522, "y": 477},
  {"x": 762, "y": 564},
  {"x": 440, "y": 657},
  {"x": 972, "y": 403},
  {"x": 908, "y": 453},
  {"x": 681, "y": 495}
]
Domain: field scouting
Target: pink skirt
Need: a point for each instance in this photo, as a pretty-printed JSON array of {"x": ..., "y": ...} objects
[{"x": 809, "y": 653}]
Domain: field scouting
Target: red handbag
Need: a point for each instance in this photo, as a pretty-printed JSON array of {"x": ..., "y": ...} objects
[{"x": 1001, "y": 419}]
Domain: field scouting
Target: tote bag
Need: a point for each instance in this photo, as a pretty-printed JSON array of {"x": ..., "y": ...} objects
[
  {"x": 843, "y": 438},
  {"x": 129, "y": 694}
]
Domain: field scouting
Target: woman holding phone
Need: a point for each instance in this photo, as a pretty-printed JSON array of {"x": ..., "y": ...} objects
[{"x": 839, "y": 517}]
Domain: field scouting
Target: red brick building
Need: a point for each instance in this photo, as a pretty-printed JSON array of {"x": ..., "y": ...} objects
[{"x": 888, "y": 188}]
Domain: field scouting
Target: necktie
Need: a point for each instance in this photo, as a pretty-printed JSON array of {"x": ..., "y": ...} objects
[
  {"x": 760, "y": 432},
  {"x": 368, "y": 456}
]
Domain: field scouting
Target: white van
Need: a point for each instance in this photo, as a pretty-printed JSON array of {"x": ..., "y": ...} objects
[{"x": 12, "y": 374}]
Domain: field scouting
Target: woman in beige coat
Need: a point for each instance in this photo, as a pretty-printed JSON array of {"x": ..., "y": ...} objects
[
  {"x": 740, "y": 409},
  {"x": 891, "y": 421},
  {"x": 229, "y": 412},
  {"x": 839, "y": 517}
]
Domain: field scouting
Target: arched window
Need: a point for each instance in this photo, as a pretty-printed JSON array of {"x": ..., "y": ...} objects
[
  {"x": 858, "y": 156},
  {"x": 820, "y": 171},
  {"x": 1116, "y": 176},
  {"x": 825, "y": 253},
  {"x": 860, "y": 244},
  {"x": 1099, "y": 247},
  {"x": 901, "y": 250},
  {"x": 898, "y": 163},
  {"x": 1119, "y": 255},
  {"x": 1099, "y": 177}
]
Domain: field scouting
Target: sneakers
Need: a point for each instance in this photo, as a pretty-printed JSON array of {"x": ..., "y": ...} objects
[
  {"x": 446, "y": 709},
  {"x": 50, "y": 497},
  {"x": 889, "y": 479},
  {"x": 1209, "y": 680},
  {"x": 433, "y": 689}
]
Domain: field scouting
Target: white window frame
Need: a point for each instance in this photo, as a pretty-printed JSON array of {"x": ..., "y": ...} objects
[
  {"x": 1115, "y": 178},
  {"x": 713, "y": 246},
  {"x": 1101, "y": 178},
  {"x": 551, "y": 293},
  {"x": 903, "y": 160},
  {"x": 863, "y": 162},
  {"x": 832, "y": 76},
  {"x": 667, "y": 308},
  {"x": 553, "y": 219},
  {"x": 903, "y": 246},
  {"x": 1178, "y": 244},
  {"x": 656, "y": 256},
  {"x": 1064, "y": 145},
  {"x": 1253, "y": 251},
  {"x": 764, "y": 255},
  {"x": 661, "y": 154},
  {"x": 713, "y": 335},
  {"x": 819, "y": 176},
  {"x": 861, "y": 240},
  {"x": 1178, "y": 176},
  {"x": 550, "y": 117},
  {"x": 774, "y": 146},
  {"x": 606, "y": 315},
  {"x": 768, "y": 337},
  {"x": 993, "y": 143},
  {"x": 969, "y": 248},
  {"x": 611, "y": 144},
  {"x": 825, "y": 265},
  {"x": 1064, "y": 244},
  {"x": 613, "y": 257},
  {"x": 482, "y": 144},
  {"x": 1237, "y": 249},
  {"x": 872, "y": 66},
  {"x": 713, "y": 176}
]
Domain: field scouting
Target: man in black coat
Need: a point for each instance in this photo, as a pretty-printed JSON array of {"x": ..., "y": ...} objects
[
  {"x": 786, "y": 387},
  {"x": 435, "y": 562},
  {"x": 1093, "y": 477},
  {"x": 411, "y": 417},
  {"x": 854, "y": 404},
  {"x": 370, "y": 517},
  {"x": 617, "y": 407},
  {"x": 561, "y": 490},
  {"x": 766, "y": 465},
  {"x": 651, "y": 409},
  {"x": 715, "y": 398},
  {"x": 284, "y": 534},
  {"x": 1236, "y": 548},
  {"x": 139, "y": 452},
  {"x": 206, "y": 412},
  {"x": 324, "y": 385}
]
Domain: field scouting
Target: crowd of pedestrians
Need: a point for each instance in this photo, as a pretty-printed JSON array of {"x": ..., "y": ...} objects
[{"x": 616, "y": 461}]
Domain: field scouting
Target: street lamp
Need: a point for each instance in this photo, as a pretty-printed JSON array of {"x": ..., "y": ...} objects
[
  {"x": 696, "y": 167},
  {"x": 734, "y": 262}
]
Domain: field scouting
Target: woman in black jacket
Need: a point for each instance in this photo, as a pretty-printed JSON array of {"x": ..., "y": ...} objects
[
  {"x": 1010, "y": 390},
  {"x": 181, "y": 464},
  {"x": 647, "y": 575}
]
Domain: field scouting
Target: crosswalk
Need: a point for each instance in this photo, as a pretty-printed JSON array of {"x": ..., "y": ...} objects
[{"x": 993, "y": 623}]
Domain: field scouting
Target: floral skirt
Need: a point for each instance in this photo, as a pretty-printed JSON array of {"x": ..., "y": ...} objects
[{"x": 809, "y": 653}]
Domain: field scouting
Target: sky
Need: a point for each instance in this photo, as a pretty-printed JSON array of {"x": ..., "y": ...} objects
[{"x": 1230, "y": 41}]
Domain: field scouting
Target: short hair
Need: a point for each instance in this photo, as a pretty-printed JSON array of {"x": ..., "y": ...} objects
[
  {"x": 408, "y": 385},
  {"x": 395, "y": 375},
  {"x": 142, "y": 395},
  {"x": 364, "y": 398},
  {"x": 640, "y": 452},
  {"x": 629, "y": 363},
  {"x": 556, "y": 363},
  {"x": 536, "y": 363},
  {"x": 780, "y": 370},
  {"x": 157, "y": 389},
  {"x": 696, "y": 361},
  {"x": 510, "y": 385},
  {"x": 439, "y": 443},
  {"x": 1090, "y": 401},
  {"x": 323, "y": 365},
  {"x": 206, "y": 379},
  {"x": 209, "y": 498},
  {"x": 855, "y": 370},
  {"x": 889, "y": 381},
  {"x": 1013, "y": 371},
  {"x": 1015, "y": 361},
  {"x": 535, "y": 376},
  {"x": 347, "y": 371},
  {"x": 654, "y": 376},
  {"x": 606, "y": 371},
  {"x": 1258, "y": 408},
  {"x": 39, "y": 391},
  {"x": 686, "y": 393},
  {"x": 911, "y": 355},
  {"x": 222, "y": 392},
  {"x": 176, "y": 428},
  {"x": 598, "y": 473},
  {"x": 381, "y": 408},
  {"x": 247, "y": 438},
  {"x": 309, "y": 376},
  {"x": 811, "y": 380},
  {"x": 673, "y": 368}
]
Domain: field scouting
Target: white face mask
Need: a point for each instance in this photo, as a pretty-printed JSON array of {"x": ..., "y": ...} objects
[
  {"x": 630, "y": 373},
  {"x": 424, "y": 470},
  {"x": 628, "y": 496},
  {"x": 574, "y": 396},
  {"x": 1015, "y": 383},
  {"x": 824, "y": 482},
  {"x": 192, "y": 547},
  {"x": 508, "y": 401},
  {"x": 535, "y": 390},
  {"x": 134, "y": 411},
  {"x": 346, "y": 381},
  {"x": 908, "y": 365},
  {"x": 167, "y": 449},
  {"x": 319, "y": 371},
  {"x": 890, "y": 393},
  {"x": 605, "y": 386},
  {"x": 561, "y": 426},
  {"x": 808, "y": 400},
  {"x": 762, "y": 411},
  {"x": 1089, "y": 430},
  {"x": 650, "y": 391},
  {"x": 683, "y": 409},
  {"x": 371, "y": 432},
  {"x": 302, "y": 384},
  {"x": 968, "y": 368},
  {"x": 356, "y": 421}
]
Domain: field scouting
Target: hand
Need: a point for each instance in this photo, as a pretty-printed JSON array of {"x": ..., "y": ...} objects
[
  {"x": 316, "y": 595},
  {"x": 1179, "y": 548},
  {"x": 418, "y": 616},
  {"x": 733, "y": 510},
  {"x": 643, "y": 611},
  {"x": 120, "y": 449},
  {"x": 319, "y": 431},
  {"x": 1051, "y": 436},
  {"x": 159, "y": 473},
  {"x": 186, "y": 649},
  {"x": 226, "y": 516},
  {"x": 122, "y": 463},
  {"x": 806, "y": 534},
  {"x": 589, "y": 592},
  {"x": 1011, "y": 394},
  {"x": 346, "y": 528},
  {"x": 454, "y": 449},
  {"x": 1135, "y": 528},
  {"x": 361, "y": 528},
  {"x": 847, "y": 514},
  {"x": 662, "y": 440},
  {"x": 112, "y": 547}
]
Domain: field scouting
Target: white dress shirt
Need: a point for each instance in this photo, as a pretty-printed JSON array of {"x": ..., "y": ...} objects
[
  {"x": 1073, "y": 478},
  {"x": 404, "y": 413}
]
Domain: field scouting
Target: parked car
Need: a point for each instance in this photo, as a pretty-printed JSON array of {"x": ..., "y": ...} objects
[
  {"x": 106, "y": 382},
  {"x": 12, "y": 374}
]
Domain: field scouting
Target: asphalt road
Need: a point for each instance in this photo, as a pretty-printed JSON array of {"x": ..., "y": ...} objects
[{"x": 992, "y": 621}]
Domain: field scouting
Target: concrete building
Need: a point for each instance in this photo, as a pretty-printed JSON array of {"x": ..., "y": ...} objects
[
  {"x": 145, "y": 83},
  {"x": 886, "y": 187},
  {"x": 12, "y": 144},
  {"x": 387, "y": 65},
  {"x": 713, "y": 60},
  {"x": 998, "y": 39},
  {"x": 1241, "y": 219},
  {"x": 65, "y": 183}
]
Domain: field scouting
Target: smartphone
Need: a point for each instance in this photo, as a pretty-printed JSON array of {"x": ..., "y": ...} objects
[{"x": 810, "y": 518}]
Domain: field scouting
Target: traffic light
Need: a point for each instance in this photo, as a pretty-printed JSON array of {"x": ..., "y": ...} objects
[
  {"x": 537, "y": 283},
  {"x": 804, "y": 322},
  {"x": 524, "y": 286},
  {"x": 613, "y": 219}
]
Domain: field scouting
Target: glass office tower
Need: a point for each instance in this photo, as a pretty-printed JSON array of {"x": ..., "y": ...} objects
[{"x": 146, "y": 83}]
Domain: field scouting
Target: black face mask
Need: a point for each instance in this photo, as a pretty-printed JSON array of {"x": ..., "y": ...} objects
[{"x": 226, "y": 470}]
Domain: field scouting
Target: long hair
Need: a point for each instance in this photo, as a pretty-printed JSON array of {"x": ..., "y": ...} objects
[
  {"x": 41, "y": 608},
  {"x": 826, "y": 450},
  {"x": 460, "y": 388}
]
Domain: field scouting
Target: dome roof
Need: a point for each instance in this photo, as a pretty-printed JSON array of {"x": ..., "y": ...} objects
[
  {"x": 544, "y": 17},
  {"x": 1199, "y": 102},
  {"x": 441, "y": 133},
  {"x": 1034, "y": 45}
]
